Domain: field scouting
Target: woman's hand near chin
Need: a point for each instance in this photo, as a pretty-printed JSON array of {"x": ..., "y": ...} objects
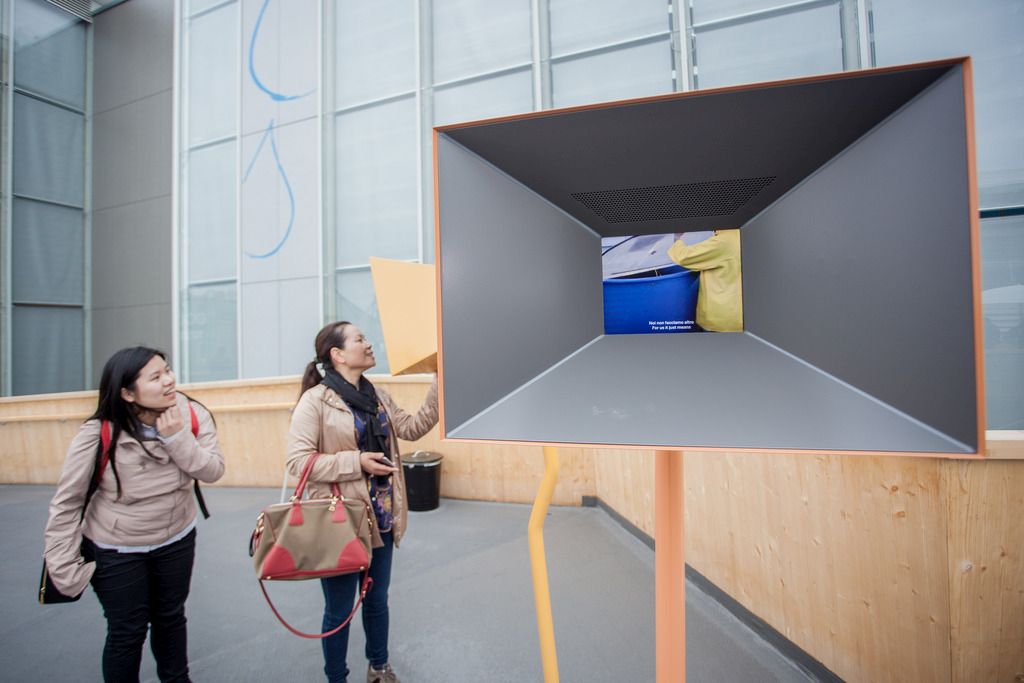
[{"x": 169, "y": 422}]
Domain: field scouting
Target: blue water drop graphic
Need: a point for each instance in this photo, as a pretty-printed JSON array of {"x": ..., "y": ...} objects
[
  {"x": 274, "y": 95},
  {"x": 269, "y": 135}
]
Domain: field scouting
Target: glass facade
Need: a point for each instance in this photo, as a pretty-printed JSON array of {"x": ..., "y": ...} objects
[
  {"x": 44, "y": 199},
  {"x": 343, "y": 96},
  {"x": 305, "y": 133},
  {"x": 211, "y": 59},
  {"x": 917, "y": 30},
  {"x": 1002, "y": 301},
  {"x": 805, "y": 41}
]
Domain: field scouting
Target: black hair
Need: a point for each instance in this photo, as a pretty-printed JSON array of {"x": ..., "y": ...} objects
[
  {"x": 121, "y": 372},
  {"x": 331, "y": 335}
]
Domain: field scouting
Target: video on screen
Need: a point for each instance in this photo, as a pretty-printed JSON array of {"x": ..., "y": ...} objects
[{"x": 672, "y": 283}]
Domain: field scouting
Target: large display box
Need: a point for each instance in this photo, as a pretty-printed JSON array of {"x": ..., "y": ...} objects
[{"x": 855, "y": 196}]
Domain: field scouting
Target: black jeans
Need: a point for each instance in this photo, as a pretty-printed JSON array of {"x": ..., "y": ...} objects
[{"x": 140, "y": 590}]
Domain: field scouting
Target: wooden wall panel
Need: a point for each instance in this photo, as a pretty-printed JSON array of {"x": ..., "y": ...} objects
[
  {"x": 33, "y": 451},
  {"x": 35, "y": 432},
  {"x": 246, "y": 392},
  {"x": 46, "y": 406},
  {"x": 252, "y": 420},
  {"x": 625, "y": 482},
  {"x": 844, "y": 556},
  {"x": 986, "y": 569},
  {"x": 255, "y": 446}
]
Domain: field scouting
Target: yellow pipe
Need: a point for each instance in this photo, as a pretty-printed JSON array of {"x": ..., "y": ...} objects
[{"x": 538, "y": 562}]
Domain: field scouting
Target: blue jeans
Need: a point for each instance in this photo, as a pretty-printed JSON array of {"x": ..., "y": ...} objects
[
  {"x": 340, "y": 596},
  {"x": 140, "y": 592}
]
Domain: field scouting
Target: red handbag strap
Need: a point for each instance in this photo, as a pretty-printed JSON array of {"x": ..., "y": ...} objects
[
  {"x": 300, "y": 487},
  {"x": 367, "y": 584}
]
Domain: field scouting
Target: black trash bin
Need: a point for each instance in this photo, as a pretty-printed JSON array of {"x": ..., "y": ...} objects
[{"x": 422, "y": 480}]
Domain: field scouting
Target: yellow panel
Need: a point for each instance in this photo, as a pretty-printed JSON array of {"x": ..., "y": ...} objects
[{"x": 407, "y": 300}]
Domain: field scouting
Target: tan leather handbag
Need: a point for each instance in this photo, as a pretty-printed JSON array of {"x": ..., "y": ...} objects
[{"x": 312, "y": 539}]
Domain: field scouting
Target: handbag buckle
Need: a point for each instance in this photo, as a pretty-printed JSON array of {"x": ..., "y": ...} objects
[{"x": 334, "y": 503}]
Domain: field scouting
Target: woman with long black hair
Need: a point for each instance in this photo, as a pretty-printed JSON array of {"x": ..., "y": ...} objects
[
  {"x": 125, "y": 519},
  {"x": 355, "y": 427}
]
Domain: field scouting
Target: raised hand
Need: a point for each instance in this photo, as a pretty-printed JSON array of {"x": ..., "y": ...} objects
[{"x": 169, "y": 422}]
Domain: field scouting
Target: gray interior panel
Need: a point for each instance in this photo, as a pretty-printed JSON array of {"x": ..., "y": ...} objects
[
  {"x": 698, "y": 390},
  {"x": 680, "y": 156},
  {"x": 520, "y": 283},
  {"x": 864, "y": 270},
  {"x": 852, "y": 198}
]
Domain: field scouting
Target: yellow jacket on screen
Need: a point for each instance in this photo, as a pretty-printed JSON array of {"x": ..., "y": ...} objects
[{"x": 720, "y": 301}]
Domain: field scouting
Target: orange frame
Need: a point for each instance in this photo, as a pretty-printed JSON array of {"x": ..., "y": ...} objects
[{"x": 975, "y": 241}]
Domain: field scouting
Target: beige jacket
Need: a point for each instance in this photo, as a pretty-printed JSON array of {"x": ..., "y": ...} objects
[
  {"x": 323, "y": 423},
  {"x": 156, "y": 499}
]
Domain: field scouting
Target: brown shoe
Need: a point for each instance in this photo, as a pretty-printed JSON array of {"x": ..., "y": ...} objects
[{"x": 382, "y": 675}]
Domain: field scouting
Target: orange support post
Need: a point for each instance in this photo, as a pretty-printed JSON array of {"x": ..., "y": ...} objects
[{"x": 669, "y": 568}]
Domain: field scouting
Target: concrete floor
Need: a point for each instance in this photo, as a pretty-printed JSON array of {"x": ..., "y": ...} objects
[{"x": 461, "y": 604}]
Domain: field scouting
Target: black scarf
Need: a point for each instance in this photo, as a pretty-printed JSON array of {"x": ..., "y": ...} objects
[{"x": 364, "y": 405}]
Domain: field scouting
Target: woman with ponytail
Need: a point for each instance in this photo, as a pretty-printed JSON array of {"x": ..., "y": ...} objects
[
  {"x": 355, "y": 427},
  {"x": 128, "y": 526}
]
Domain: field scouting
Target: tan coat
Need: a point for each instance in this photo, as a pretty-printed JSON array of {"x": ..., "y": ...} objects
[
  {"x": 156, "y": 501},
  {"x": 323, "y": 423}
]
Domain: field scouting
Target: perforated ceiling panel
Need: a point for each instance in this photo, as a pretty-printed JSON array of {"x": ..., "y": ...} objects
[
  {"x": 667, "y": 202},
  {"x": 80, "y": 8},
  {"x": 688, "y": 139}
]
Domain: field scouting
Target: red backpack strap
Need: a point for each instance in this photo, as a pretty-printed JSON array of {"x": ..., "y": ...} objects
[
  {"x": 105, "y": 439},
  {"x": 99, "y": 466},
  {"x": 195, "y": 482}
]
